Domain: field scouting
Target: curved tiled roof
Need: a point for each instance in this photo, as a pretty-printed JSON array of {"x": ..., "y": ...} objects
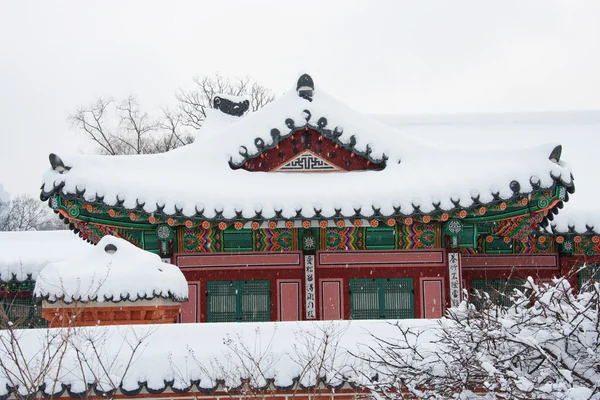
[
  {"x": 112, "y": 271},
  {"x": 576, "y": 130},
  {"x": 200, "y": 180}
]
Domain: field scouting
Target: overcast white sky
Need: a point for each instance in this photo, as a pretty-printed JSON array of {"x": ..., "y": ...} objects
[{"x": 377, "y": 56}]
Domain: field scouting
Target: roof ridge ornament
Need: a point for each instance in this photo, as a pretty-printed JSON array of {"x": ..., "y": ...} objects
[
  {"x": 230, "y": 107},
  {"x": 57, "y": 164},
  {"x": 555, "y": 154},
  {"x": 305, "y": 87}
]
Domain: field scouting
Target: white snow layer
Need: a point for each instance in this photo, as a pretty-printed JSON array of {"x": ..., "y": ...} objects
[
  {"x": 577, "y": 131},
  {"x": 198, "y": 176},
  {"x": 185, "y": 353},
  {"x": 98, "y": 274},
  {"x": 24, "y": 254}
]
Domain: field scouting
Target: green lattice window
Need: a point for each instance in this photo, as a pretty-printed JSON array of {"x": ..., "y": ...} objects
[
  {"x": 590, "y": 273},
  {"x": 22, "y": 313},
  {"x": 151, "y": 242},
  {"x": 467, "y": 236},
  {"x": 380, "y": 238},
  {"x": 499, "y": 290},
  {"x": 237, "y": 240},
  {"x": 239, "y": 301},
  {"x": 381, "y": 298}
]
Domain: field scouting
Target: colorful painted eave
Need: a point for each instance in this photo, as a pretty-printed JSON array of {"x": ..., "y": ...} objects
[{"x": 542, "y": 204}]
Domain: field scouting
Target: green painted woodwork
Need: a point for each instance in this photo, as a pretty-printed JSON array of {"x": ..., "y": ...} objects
[
  {"x": 237, "y": 240},
  {"x": 381, "y": 298},
  {"x": 485, "y": 228},
  {"x": 514, "y": 218},
  {"x": 100, "y": 213},
  {"x": 198, "y": 239},
  {"x": 498, "y": 246},
  {"x": 418, "y": 236},
  {"x": 587, "y": 245},
  {"x": 348, "y": 238},
  {"x": 22, "y": 313},
  {"x": 539, "y": 244},
  {"x": 277, "y": 239},
  {"x": 150, "y": 241},
  {"x": 13, "y": 286},
  {"x": 567, "y": 247},
  {"x": 380, "y": 238},
  {"x": 239, "y": 301},
  {"x": 468, "y": 236},
  {"x": 499, "y": 290},
  {"x": 310, "y": 239}
]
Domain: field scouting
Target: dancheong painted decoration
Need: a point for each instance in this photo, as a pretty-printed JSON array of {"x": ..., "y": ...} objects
[{"x": 308, "y": 209}]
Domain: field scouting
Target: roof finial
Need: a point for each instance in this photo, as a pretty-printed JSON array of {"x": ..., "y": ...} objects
[
  {"x": 231, "y": 105},
  {"x": 305, "y": 87}
]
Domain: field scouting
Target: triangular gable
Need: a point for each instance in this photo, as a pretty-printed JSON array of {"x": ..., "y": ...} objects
[
  {"x": 308, "y": 150},
  {"x": 307, "y": 162}
]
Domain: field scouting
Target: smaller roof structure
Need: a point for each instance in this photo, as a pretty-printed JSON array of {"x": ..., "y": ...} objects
[
  {"x": 24, "y": 254},
  {"x": 113, "y": 270}
]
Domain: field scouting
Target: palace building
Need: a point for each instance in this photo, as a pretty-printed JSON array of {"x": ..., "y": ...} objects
[{"x": 309, "y": 210}]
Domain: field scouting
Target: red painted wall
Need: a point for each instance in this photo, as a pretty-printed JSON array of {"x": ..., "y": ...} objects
[
  {"x": 415, "y": 264},
  {"x": 339, "y": 267},
  {"x": 540, "y": 267},
  {"x": 235, "y": 266}
]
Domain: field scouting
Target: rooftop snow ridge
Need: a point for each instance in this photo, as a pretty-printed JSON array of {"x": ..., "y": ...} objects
[
  {"x": 201, "y": 180},
  {"x": 114, "y": 270}
]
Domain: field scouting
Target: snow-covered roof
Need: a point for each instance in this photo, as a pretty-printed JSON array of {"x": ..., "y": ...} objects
[
  {"x": 24, "y": 254},
  {"x": 113, "y": 270},
  {"x": 197, "y": 180},
  {"x": 206, "y": 358},
  {"x": 577, "y": 131}
]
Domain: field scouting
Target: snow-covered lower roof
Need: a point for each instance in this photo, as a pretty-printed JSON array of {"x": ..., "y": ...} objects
[
  {"x": 24, "y": 254},
  {"x": 197, "y": 180},
  {"x": 113, "y": 270},
  {"x": 577, "y": 131},
  {"x": 203, "y": 358}
]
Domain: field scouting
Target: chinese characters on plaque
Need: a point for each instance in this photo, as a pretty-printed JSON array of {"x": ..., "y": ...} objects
[
  {"x": 454, "y": 279},
  {"x": 309, "y": 275}
]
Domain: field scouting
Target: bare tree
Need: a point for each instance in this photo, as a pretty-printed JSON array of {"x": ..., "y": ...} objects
[
  {"x": 250, "y": 364},
  {"x": 26, "y": 213},
  {"x": 134, "y": 131},
  {"x": 123, "y": 127},
  {"x": 193, "y": 103},
  {"x": 34, "y": 364}
]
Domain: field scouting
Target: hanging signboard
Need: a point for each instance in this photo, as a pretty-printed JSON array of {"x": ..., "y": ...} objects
[
  {"x": 309, "y": 276},
  {"x": 453, "y": 266}
]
